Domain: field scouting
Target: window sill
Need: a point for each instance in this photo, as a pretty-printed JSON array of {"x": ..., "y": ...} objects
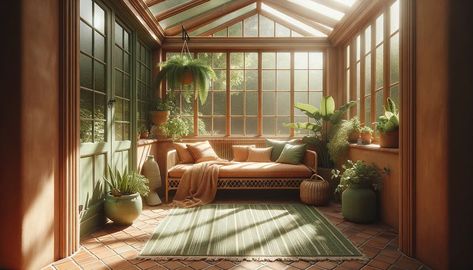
[
  {"x": 141, "y": 142},
  {"x": 374, "y": 147}
]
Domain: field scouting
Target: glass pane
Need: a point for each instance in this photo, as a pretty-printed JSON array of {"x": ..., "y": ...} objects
[
  {"x": 118, "y": 35},
  {"x": 126, "y": 131},
  {"x": 301, "y": 60},
  {"x": 301, "y": 80},
  {"x": 220, "y": 103},
  {"x": 251, "y": 27},
  {"x": 358, "y": 81},
  {"x": 395, "y": 94},
  {"x": 394, "y": 59},
  {"x": 85, "y": 38},
  {"x": 269, "y": 100},
  {"x": 368, "y": 39},
  {"x": 251, "y": 103},
  {"x": 368, "y": 75},
  {"x": 251, "y": 125},
  {"x": 301, "y": 97},
  {"x": 379, "y": 104},
  {"x": 86, "y": 10},
  {"x": 380, "y": 29},
  {"x": 316, "y": 80},
  {"x": 395, "y": 17},
  {"x": 126, "y": 43},
  {"x": 236, "y": 60},
  {"x": 268, "y": 60},
  {"x": 284, "y": 80},
  {"x": 269, "y": 125},
  {"x": 251, "y": 60},
  {"x": 219, "y": 60},
  {"x": 316, "y": 60},
  {"x": 281, "y": 128},
  {"x": 284, "y": 60},
  {"x": 118, "y": 57},
  {"x": 206, "y": 109},
  {"x": 85, "y": 71},
  {"x": 236, "y": 79},
  {"x": 269, "y": 79},
  {"x": 119, "y": 110},
  {"x": 266, "y": 27},
  {"x": 314, "y": 98},
  {"x": 283, "y": 105},
  {"x": 347, "y": 59},
  {"x": 99, "y": 131},
  {"x": 86, "y": 104},
  {"x": 379, "y": 67},
  {"x": 220, "y": 82},
  {"x": 358, "y": 47},
  {"x": 219, "y": 126},
  {"x": 205, "y": 57},
  {"x": 207, "y": 125},
  {"x": 368, "y": 119},
  {"x": 237, "y": 103},
  {"x": 118, "y": 132},
  {"x": 235, "y": 30},
  {"x": 86, "y": 131},
  {"x": 221, "y": 33},
  {"x": 99, "y": 70},
  {"x": 282, "y": 31},
  {"x": 118, "y": 83},
  {"x": 99, "y": 46},
  {"x": 251, "y": 79},
  {"x": 99, "y": 18},
  {"x": 237, "y": 126}
]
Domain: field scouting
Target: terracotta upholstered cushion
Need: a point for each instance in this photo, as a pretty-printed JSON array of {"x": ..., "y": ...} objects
[
  {"x": 202, "y": 151},
  {"x": 240, "y": 152},
  {"x": 253, "y": 170},
  {"x": 259, "y": 154},
  {"x": 183, "y": 153}
]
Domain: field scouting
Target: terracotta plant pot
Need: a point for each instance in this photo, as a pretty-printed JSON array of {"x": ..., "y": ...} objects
[
  {"x": 366, "y": 138},
  {"x": 389, "y": 139},
  {"x": 187, "y": 78},
  {"x": 353, "y": 137},
  {"x": 144, "y": 135},
  {"x": 159, "y": 117}
]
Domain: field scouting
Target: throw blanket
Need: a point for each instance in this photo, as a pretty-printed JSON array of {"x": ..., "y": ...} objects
[{"x": 198, "y": 184}]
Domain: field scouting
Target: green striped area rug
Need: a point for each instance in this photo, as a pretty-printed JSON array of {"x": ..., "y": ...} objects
[{"x": 248, "y": 232}]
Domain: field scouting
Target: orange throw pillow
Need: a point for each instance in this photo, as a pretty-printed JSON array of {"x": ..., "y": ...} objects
[
  {"x": 183, "y": 153},
  {"x": 202, "y": 151},
  {"x": 259, "y": 154},
  {"x": 240, "y": 152}
]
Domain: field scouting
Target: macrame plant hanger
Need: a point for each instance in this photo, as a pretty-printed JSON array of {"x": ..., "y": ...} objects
[{"x": 185, "y": 48}]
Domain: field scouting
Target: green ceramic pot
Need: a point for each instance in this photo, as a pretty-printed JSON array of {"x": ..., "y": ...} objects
[
  {"x": 359, "y": 204},
  {"x": 124, "y": 209}
]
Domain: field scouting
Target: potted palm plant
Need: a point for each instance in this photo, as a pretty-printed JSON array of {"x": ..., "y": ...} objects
[
  {"x": 183, "y": 71},
  {"x": 388, "y": 126},
  {"x": 358, "y": 183},
  {"x": 123, "y": 202}
]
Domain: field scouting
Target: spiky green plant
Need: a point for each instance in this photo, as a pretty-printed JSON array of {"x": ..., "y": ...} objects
[
  {"x": 390, "y": 120},
  {"x": 174, "y": 69},
  {"x": 130, "y": 182}
]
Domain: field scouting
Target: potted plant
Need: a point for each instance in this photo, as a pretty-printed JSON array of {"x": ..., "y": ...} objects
[
  {"x": 358, "y": 183},
  {"x": 354, "y": 133},
  {"x": 340, "y": 141},
  {"x": 123, "y": 202},
  {"x": 143, "y": 132},
  {"x": 176, "y": 128},
  {"x": 163, "y": 108},
  {"x": 183, "y": 71},
  {"x": 388, "y": 126},
  {"x": 366, "y": 135}
]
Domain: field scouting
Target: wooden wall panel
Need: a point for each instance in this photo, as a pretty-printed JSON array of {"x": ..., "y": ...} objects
[{"x": 389, "y": 195}]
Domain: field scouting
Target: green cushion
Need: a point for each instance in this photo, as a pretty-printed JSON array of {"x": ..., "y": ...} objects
[
  {"x": 278, "y": 146},
  {"x": 292, "y": 154}
]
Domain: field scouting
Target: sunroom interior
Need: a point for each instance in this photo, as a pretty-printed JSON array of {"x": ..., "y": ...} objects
[{"x": 89, "y": 86}]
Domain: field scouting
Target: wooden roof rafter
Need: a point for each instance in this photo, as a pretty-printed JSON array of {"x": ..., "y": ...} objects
[
  {"x": 333, "y": 5},
  {"x": 208, "y": 16},
  {"x": 150, "y": 3},
  {"x": 286, "y": 24},
  {"x": 229, "y": 23},
  {"x": 178, "y": 9}
]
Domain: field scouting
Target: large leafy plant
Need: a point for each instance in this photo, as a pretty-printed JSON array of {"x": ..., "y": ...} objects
[
  {"x": 390, "y": 120},
  {"x": 338, "y": 145},
  {"x": 324, "y": 121},
  {"x": 126, "y": 183},
  {"x": 174, "y": 70},
  {"x": 176, "y": 128},
  {"x": 358, "y": 173}
]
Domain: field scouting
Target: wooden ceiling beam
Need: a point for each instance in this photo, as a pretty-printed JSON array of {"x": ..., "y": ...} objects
[
  {"x": 322, "y": 28},
  {"x": 229, "y": 23},
  {"x": 303, "y": 12},
  {"x": 286, "y": 24},
  {"x": 176, "y": 10},
  {"x": 153, "y": 2},
  {"x": 207, "y": 17},
  {"x": 334, "y": 5}
]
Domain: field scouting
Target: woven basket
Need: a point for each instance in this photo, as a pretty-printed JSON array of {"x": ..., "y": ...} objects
[{"x": 315, "y": 191}]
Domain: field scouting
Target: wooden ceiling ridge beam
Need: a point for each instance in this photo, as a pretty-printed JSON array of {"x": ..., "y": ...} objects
[
  {"x": 229, "y": 23},
  {"x": 303, "y": 12},
  {"x": 153, "y": 2},
  {"x": 286, "y": 24},
  {"x": 208, "y": 16},
  {"x": 334, "y": 5},
  {"x": 178, "y": 9},
  {"x": 142, "y": 12},
  {"x": 319, "y": 26}
]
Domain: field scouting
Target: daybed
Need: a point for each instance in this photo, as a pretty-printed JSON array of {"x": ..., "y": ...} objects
[{"x": 247, "y": 175}]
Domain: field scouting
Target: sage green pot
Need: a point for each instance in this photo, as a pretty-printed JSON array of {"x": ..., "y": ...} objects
[
  {"x": 359, "y": 204},
  {"x": 123, "y": 210}
]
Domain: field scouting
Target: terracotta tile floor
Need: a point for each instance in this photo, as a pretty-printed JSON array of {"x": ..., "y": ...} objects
[{"x": 116, "y": 247}]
